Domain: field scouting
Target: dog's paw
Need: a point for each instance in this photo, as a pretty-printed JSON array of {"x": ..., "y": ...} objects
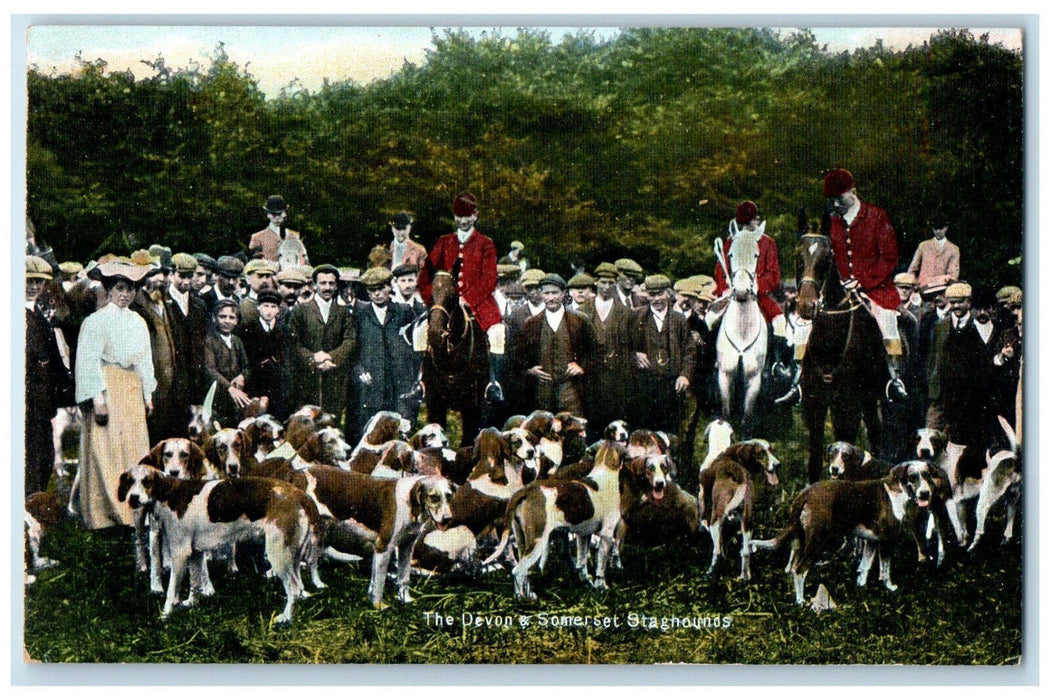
[
  {"x": 890, "y": 585},
  {"x": 44, "y": 563},
  {"x": 600, "y": 584},
  {"x": 282, "y": 620},
  {"x": 156, "y": 587},
  {"x": 208, "y": 590}
]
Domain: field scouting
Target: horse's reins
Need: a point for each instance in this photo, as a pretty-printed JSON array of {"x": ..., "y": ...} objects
[
  {"x": 852, "y": 301},
  {"x": 446, "y": 334}
]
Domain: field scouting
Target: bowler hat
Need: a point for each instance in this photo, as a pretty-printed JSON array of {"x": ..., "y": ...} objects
[
  {"x": 938, "y": 220},
  {"x": 465, "y": 204},
  {"x": 837, "y": 182},
  {"x": 275, "y": 204},
  {"x": 402, "y": 219}
]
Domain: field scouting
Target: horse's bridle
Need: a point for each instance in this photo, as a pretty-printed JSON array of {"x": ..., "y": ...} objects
[
  {"x": 851, "y": 302},
  {"x": 446, "y": 332}
]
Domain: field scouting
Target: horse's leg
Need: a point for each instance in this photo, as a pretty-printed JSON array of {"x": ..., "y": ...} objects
[
  {"x": 845, "y": 416},
  {"x": 725, "y": 390},
  {"x": 873, "y": 425},
  {"x": 814, "y": 409}
]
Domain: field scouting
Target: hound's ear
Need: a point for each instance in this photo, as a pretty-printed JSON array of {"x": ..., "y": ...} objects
[
  {"x": 156, "y": 455},
  {"x": 196, "y": 461},
  {"x": 251, "y": 437},
  {"x": 866, "y": 457},
  {"x": 415, "y": 500},
  {"x": 827, "y": 452},
  {"x": 899, "y": 473},
  {"x": 310, "y": 451},
  {"x": 637, "y": 465},
  {"x": 123, "y": 486},
  {"x": 208, "y": 446}
]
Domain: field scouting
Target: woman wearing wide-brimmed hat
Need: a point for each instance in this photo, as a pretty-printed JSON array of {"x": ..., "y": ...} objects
[{"x": 114, "y": 385}]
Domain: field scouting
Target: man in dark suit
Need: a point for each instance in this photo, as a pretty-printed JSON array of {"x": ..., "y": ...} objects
[
  {"x": 227, "y": 271},
  {"x": 664, "y": 357},
  {"x": 610, "y": 392},
  {"x": 48, "y": 384},
  {"x": 188, "y": 320},
  {"x": 384, "y": 371},
  {"x": 959, "y": 381},
  {"x": 322, "y": 341},
  {"x": 555, "y": 353},
  {"x": 266, "y": 345}
]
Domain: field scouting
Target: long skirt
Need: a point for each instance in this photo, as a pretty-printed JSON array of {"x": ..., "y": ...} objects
[{"x": 106, "y": 452}]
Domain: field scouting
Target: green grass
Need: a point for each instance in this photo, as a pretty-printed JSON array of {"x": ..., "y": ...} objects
[{"x": 94, "y": 608}]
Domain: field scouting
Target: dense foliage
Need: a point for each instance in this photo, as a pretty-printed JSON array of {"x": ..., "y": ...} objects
[{"x": 587, "y": 149}]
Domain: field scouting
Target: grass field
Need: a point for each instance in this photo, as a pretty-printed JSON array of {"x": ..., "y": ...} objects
[{"x": 94, "y": 608}]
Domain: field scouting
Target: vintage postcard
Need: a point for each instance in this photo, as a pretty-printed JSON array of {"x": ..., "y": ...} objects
[{"x": 482, "y": 345}]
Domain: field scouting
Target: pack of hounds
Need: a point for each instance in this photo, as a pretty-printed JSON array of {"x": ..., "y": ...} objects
[{"x": 302, "y": 492}]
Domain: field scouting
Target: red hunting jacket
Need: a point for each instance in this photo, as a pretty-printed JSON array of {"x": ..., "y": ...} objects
[
  {"x": 767, "y": 274},
  {"x": 477, "y": 275},
  {"x": 867, "y": 250}
]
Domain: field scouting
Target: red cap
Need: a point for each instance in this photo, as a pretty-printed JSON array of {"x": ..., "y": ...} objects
[
  {"x": 465, "y": 204},
  {"x": 746, "y": 211},
  {"x": 837, "y": 182}
]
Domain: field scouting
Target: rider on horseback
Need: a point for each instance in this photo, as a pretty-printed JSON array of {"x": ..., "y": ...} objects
[
  {"x": 865, "y": 249},
  {"x": 767, "y": 276}
]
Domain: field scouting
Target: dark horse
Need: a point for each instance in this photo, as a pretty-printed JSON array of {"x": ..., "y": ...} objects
[
  {"x": 844, "y": 367},
  {"x": 455, "y": 367}
]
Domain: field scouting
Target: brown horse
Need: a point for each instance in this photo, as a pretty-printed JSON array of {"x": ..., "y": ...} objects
[
  {"x": 455, "y": 367},
  {"x": 844, "y": 367}
]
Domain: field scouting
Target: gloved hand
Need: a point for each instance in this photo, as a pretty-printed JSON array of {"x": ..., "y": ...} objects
[{"x": 851, "y": 284}]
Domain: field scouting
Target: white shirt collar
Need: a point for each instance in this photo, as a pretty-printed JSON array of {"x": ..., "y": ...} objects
[
  {"x": 960, "y": 322},
  {"x": 603, "y": 307},
  {"x": 850, "y": 215},
  {"x": 380, "y": 311},
  {"x": 554, "y": 317},
  {"x": 464, "y": 236},
  {"x": 535, "y": 308},
  {"x": 275, "y": 228},
  {"x": 183, "y": 300},
  {"x": 324, "y": 306},
  {"x": 940, "y": 241}
]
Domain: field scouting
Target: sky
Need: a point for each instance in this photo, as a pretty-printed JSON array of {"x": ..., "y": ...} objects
[{"x": 277, "y": 55}]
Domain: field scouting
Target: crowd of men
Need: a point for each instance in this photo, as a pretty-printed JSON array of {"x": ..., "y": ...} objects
[{"x": 268, "y": 332}]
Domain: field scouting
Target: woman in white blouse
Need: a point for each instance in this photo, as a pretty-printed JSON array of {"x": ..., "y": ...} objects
[{"x": 115, "y": 383}]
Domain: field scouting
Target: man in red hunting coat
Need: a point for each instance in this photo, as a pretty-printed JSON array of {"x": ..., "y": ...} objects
[
  {"x": 865, "y": 248},
  {"x": 476, "y": 255},
  {"x": 767, "y": 272}
]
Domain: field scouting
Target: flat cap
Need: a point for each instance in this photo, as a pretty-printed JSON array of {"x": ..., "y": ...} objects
[
  {"x": 629, "y": 267},
  {"x": 376, "y": 277},
  {"x": 581, "y": 280},
  {"x": 38, "y": 269},
  {"x": 259, "y": 266},
  {"x": 349, "y": 274},
  {"x": 326, "y": 269},
  {"x": 184, "y": 262},
  {"x": 838, "y": 181},
  {"x": 1007, "y": 293},
  {"x": 70, "y": 268},
  {"x": 206, "y": 261},
  {"x": 531, "y": 277},
  {"x": 959, "y": 290},
  {"x": 508, "y": 270},
  {"x": 268, "y": 296},
  {"x": 905, "y": 278},
  {"x": 553, "y": 278},
  {"x": 229, "y": 266},
  {"x": 657, "y": 283},
  {"x": 518, "y": 245},
  {"x": 403, "y": 269},
  {"x": 606, "y": 270},
  {"x": 292, "y": 276}
]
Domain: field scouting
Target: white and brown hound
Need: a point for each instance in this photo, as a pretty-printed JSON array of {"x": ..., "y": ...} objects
[
  {"x": 586, "y": 507},
  {"x": 827, "y": 512},
  {"x": 201, "y": 516},
  {"x": 392, "y": 512},
  {"x": 719, "y": 434}
]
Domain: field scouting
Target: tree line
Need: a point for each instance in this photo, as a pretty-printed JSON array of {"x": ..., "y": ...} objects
[{"x": 584, "y": 149}]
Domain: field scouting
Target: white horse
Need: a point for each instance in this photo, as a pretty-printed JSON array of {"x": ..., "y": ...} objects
[{"x": 742, "y": 336}]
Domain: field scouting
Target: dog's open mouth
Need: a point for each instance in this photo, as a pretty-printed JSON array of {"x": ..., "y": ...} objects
[
  {"x": 922, "y": 501},
  {"x": 658, "y": 492},
  {"x": 773, "y": 479}
]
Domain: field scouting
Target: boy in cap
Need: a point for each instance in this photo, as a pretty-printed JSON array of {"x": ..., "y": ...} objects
[
  {"x": 582, "y": 290},
  {"x": 226, "y": 364},
  {"x": 188, "y": 319},
  {"x": 260, "y": 276},
  {"x": 936, "y": 260},
  {"x": 865, "y": 248},
  {"x": 473, "y": 255},
  {"x": 277, "y": 243},
  {"x": 266, "y": 346},
  {"x": 48, "y": 384},
  {"x": 403, "y": 250}
]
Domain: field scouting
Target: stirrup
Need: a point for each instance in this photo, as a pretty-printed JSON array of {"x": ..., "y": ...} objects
[
  {"x": 494, "y": 392},
  {"x": 793, "y": 396},
  {"x": 895, "y": 390}
]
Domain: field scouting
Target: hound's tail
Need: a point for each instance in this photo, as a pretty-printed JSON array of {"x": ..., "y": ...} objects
[{"x": 789, "y": 532}]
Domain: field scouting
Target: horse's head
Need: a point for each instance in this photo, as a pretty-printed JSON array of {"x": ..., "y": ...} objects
[
  {"x": 743, "y": 261},
  {"x": 813, "y": 268}
]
